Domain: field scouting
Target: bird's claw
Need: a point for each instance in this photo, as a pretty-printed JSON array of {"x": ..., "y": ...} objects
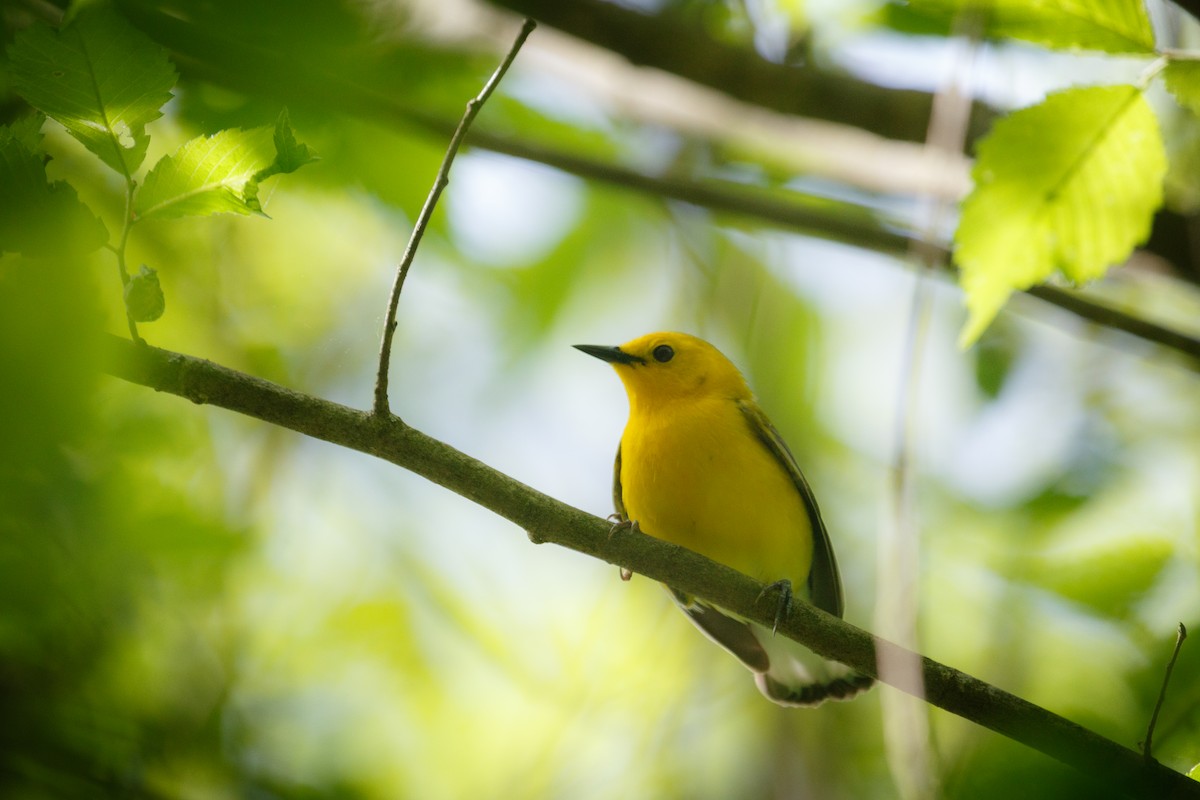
[
  {"x": 620, "y": 525},
  {"x": 785, "y": 601}
]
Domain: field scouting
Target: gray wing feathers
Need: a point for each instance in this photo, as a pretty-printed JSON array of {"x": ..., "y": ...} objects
[
  {"x": 732, "y": 634},
  {"x": 618, "y": 501},
  {"x": 824, "y": 582}
]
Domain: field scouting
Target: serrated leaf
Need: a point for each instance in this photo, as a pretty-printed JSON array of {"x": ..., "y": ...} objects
[
  {"x": 290, "y": 155},
  {"x": 1183, "y": 81},
  {"x": 207, "y": 175},
  {"x": 1111, "y": 26},
  {"x": 99, "y": 77},
  {"x": 1068, "y": 185},
  {"x": 39, "y": 218}
]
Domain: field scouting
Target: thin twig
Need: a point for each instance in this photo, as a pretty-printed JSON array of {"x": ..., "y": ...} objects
[
  {"x": 1112, "y": 765},
  {"x": 252, "y": 69},
  {"x": 1180, "y": 635},
  {"x": 440, "y": 183}
]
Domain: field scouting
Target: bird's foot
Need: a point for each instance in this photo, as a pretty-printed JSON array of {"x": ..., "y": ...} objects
[
  {"x": 784, "y": 587},
  {"x": 621, "y": 525}
]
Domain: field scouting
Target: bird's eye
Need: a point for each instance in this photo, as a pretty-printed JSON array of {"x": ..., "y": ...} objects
[{"x": 663, "y": 353}]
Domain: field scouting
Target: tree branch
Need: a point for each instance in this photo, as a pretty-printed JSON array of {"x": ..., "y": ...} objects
[
  {"x": 268, "y": 74},
  {"x": 439, "y": 183},
  {"x": 548, "y": 520}
]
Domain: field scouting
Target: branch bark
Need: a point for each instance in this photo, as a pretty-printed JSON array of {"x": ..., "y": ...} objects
[{"x": 548, "y": 520}]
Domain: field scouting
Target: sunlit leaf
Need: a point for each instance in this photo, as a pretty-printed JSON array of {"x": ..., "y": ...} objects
[
  {"x": 1183, "y": 81},
  {"x": 40, "y": 218},
  {"x": 1111, "y": 26},
  {"x": 207, "y": 175},
  {"x": 99, "y": 77},
  {"x": 1069, "y": 185}
]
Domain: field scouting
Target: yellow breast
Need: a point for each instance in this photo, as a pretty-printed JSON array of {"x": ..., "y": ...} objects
[{"x": 696, "y": 474}]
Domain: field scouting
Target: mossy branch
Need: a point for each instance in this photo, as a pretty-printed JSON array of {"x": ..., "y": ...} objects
[{"x": 548, "y": 520}]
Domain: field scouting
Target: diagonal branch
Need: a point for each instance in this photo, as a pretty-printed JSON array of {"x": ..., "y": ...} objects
[
  {"x": 549, "y": 520},
  {"x": 439, "y": 184}
]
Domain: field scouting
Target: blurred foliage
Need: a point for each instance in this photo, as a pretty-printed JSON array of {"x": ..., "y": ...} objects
[{"x": 195, "y": 605}]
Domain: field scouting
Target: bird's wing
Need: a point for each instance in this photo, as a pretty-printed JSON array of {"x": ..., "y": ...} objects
[
  {"x": 824, "y": 583},
  {"x": 618, "y": 501},
  {"x": 733, "y": 634}
]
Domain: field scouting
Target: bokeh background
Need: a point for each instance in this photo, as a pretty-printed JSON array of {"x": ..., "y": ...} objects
[{"x": 194, "y": 604}]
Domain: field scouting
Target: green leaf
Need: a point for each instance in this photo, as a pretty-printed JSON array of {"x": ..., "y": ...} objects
[
  {"x": 144, "y": 297},
  {"x": 40, "y": 218},
  {"x": 290, "y": 155},
  {"x": 99, "y": 77},
  {"x": 28, "y": 131},
  {"x": 1068, "y": 185},
  {"x": 1112, "y": 26},
  {"x": 1183, "y": 80},
  {"x": 207, "y": 175}
]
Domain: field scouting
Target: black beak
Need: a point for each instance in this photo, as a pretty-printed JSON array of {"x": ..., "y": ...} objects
[{"x": 613, "y": 355}]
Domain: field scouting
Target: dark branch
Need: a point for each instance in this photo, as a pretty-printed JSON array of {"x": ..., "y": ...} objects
[
  {"x": 548, "y": 520},
  {"x": 1119, "y": 320},
  {"x": 1190, "y": 6}
]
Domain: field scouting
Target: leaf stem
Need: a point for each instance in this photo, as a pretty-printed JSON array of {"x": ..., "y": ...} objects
[
  {"x": 440, "y": 183},
  {"x": 119, "y": 251},
  {"x": 1151, "y": 71}
]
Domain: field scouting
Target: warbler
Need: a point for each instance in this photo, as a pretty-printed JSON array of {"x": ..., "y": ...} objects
[{"x": 700, "y": 465}]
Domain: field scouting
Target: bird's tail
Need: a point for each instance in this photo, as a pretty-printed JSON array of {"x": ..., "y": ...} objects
[
  {"x": 785, "y": 672},
  {"x": 844, "y": 687},
  {"x": 796, "y": 676}
]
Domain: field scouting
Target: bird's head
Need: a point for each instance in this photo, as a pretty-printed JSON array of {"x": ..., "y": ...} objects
[{"x": 662, "y": 368}]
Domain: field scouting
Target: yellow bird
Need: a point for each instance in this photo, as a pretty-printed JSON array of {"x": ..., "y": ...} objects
[{"x": 700, "y": 465}]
